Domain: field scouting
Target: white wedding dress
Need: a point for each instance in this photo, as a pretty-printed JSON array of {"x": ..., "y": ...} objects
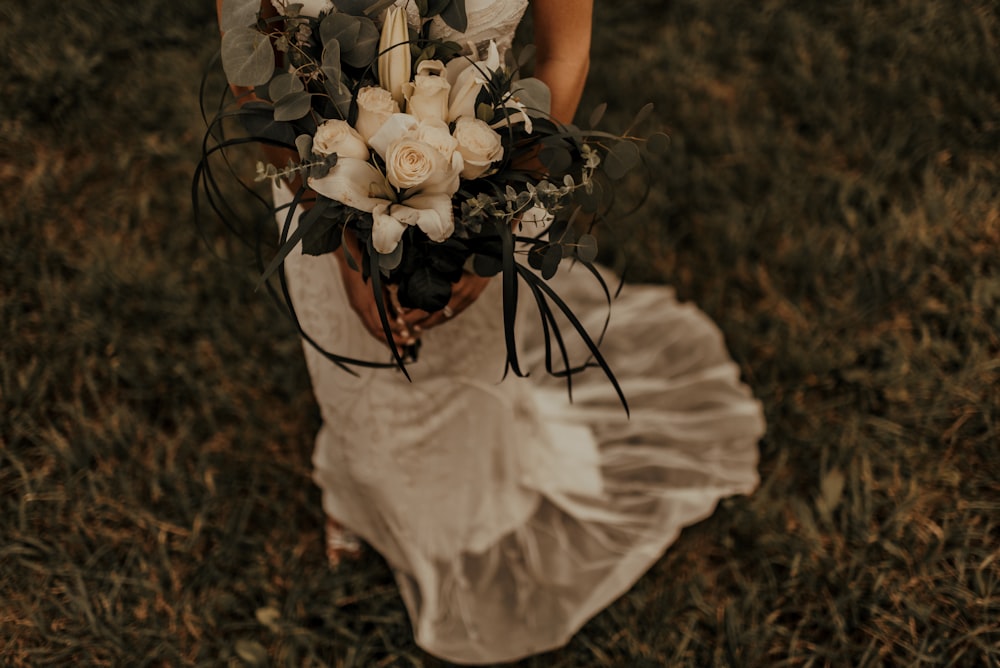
[{"x": 509, "y": 515}]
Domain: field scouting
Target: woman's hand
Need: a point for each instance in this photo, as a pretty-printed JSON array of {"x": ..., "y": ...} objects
[
  {"x": 362, "y": 300},
  {"x": 463, "y": 293}
]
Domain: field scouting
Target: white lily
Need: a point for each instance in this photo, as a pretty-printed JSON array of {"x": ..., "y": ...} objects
[
  {"x": 394, "y": 54},
  {"x": 467, "y": 79},
  {"x": 355, "y": 183},
  {"x": 431, "y": 212}
]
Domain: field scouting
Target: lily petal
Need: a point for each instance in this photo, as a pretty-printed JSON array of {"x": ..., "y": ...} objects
[
  {"x": 396, "y": 127},
  {"x": 431, "y": 212},
  {"x": 353, "y": 182},
  {"x": 386, "y": 229}
]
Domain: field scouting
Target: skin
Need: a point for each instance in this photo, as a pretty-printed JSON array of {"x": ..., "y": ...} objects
[{"x": 562, "y": 42}]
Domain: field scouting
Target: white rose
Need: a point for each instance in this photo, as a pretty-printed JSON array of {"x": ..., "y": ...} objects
[
  {"x": 339, "y": 137},
  {"x": 427, "y": 96},
  {"x": 479, "y": 145},
  {"x": 375, "y": 106},
  {"x": 439, "y": 136},
  {"x": 411, "y": 163}
]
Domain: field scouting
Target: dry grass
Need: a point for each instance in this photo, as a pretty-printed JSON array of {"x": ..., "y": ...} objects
[{"x": 830, "y": 199}]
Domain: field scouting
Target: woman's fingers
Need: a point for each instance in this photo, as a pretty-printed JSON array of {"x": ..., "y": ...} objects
[{"x": 463, "y": 294}]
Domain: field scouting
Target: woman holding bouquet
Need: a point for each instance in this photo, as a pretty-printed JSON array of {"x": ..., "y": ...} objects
[{"x": 509, "y": 515}]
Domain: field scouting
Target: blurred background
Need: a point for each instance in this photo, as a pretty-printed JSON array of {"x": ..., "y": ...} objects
[{"x": 830, "y": 198}]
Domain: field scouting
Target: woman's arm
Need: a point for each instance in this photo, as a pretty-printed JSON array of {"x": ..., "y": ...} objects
[{"x": 562, "y": 42}]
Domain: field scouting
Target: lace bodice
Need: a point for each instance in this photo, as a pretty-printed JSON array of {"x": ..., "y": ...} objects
[{"x": 488, "y": 20}]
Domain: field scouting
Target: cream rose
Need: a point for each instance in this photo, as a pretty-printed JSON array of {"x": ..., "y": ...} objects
[
  {"x": 427, "y": 95},
  {"x": 411, "y": 163},
  {"x": 479, "y": 145},
  {"x": 439, "y": 136},
  {"x": 375, "y": 107},
  {"x": 336, "y": 136}
]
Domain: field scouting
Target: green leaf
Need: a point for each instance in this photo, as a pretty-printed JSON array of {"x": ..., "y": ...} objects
[
  {"x": 341, "y": 28},
  {"x": 304, "y": 143},
  {"x": 425, "y": 289},
  {"x": 293, "y": 106},
  {"x": 534, "y": 95},
  {"x": 284, "y": 84},
  {"x": 365, "y": 47},
  {"x": 484, "y": 112},
  {"x": 586, "y": 248},
  {"x": 640, "y": 116},
  {"x": 454, "y": 15},
  {"x": 622, "y": 157},
  {"x": 238, "y": 14},
  {"x": 550, "y": 261},
  {"x": 389, "y": 261},
  {"x": 355, "y": 7},
  {"x": 340, "y": 95},
  {"x": 589, "y": 202},
  {"x": 486, "y": 265},
  {"x": 247, "y": 57},
  {"x": 330, "y": 63},
  {"x": 658, "y": 143},
  {"x": 555, "y": 158},
  {"x": 597, "y": 114}
]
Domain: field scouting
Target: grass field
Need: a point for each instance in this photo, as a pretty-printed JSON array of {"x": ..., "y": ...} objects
[{"x": 831, "y": 198}]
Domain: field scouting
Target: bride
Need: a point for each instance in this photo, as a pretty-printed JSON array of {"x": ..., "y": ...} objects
[{"x": 509, "y": 515}]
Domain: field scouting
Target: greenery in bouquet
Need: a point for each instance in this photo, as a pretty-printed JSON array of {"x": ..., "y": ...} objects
[{"x": 436, "y": 157}]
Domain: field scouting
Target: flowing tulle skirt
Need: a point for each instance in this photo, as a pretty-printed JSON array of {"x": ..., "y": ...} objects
[{"x": 509, "y": 515}]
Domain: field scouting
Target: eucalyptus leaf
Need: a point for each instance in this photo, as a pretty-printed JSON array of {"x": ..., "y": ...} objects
[
  {"x": 258, "y": 120},
  {"x": 454, "y": 15},
  {"x": 536, "y": 257},
  {"x": 586, "y": 247},
  {"x": 555, "y": 158},
  {"x": 247, "y": 57},
  {"x": 389, "y": 261},
  {"x": 303, "y": 143},
  {"x": 486, "y": 265},
  {"x": 589, "y": 201},
  {"x": 340, "y": 95},
  {"x": 534, "y": 95},
  {"x": 355, "y": 7},
  {"x": 330, "y": 63},
  {"x": 641, "y": 115},
  {"x": 342, "y": 28},
  {"x": 365, "y": 46},
  {"x": 284, "y": 84},
  {"x": 597, "y": 114},
  {"x": 550, "y": 261},
  {"x": 292, "y": 106},
  {"x": 658, "y": 143},
  {"x": 238, "y": 14},
  {"x": 622, "y": 157}
]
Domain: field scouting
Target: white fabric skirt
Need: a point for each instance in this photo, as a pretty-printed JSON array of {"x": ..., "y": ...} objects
[{"x": 509, "y": 515}]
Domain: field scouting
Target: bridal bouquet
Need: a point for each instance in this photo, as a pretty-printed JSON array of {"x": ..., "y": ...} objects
[{"x": 436, "y": 157}]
